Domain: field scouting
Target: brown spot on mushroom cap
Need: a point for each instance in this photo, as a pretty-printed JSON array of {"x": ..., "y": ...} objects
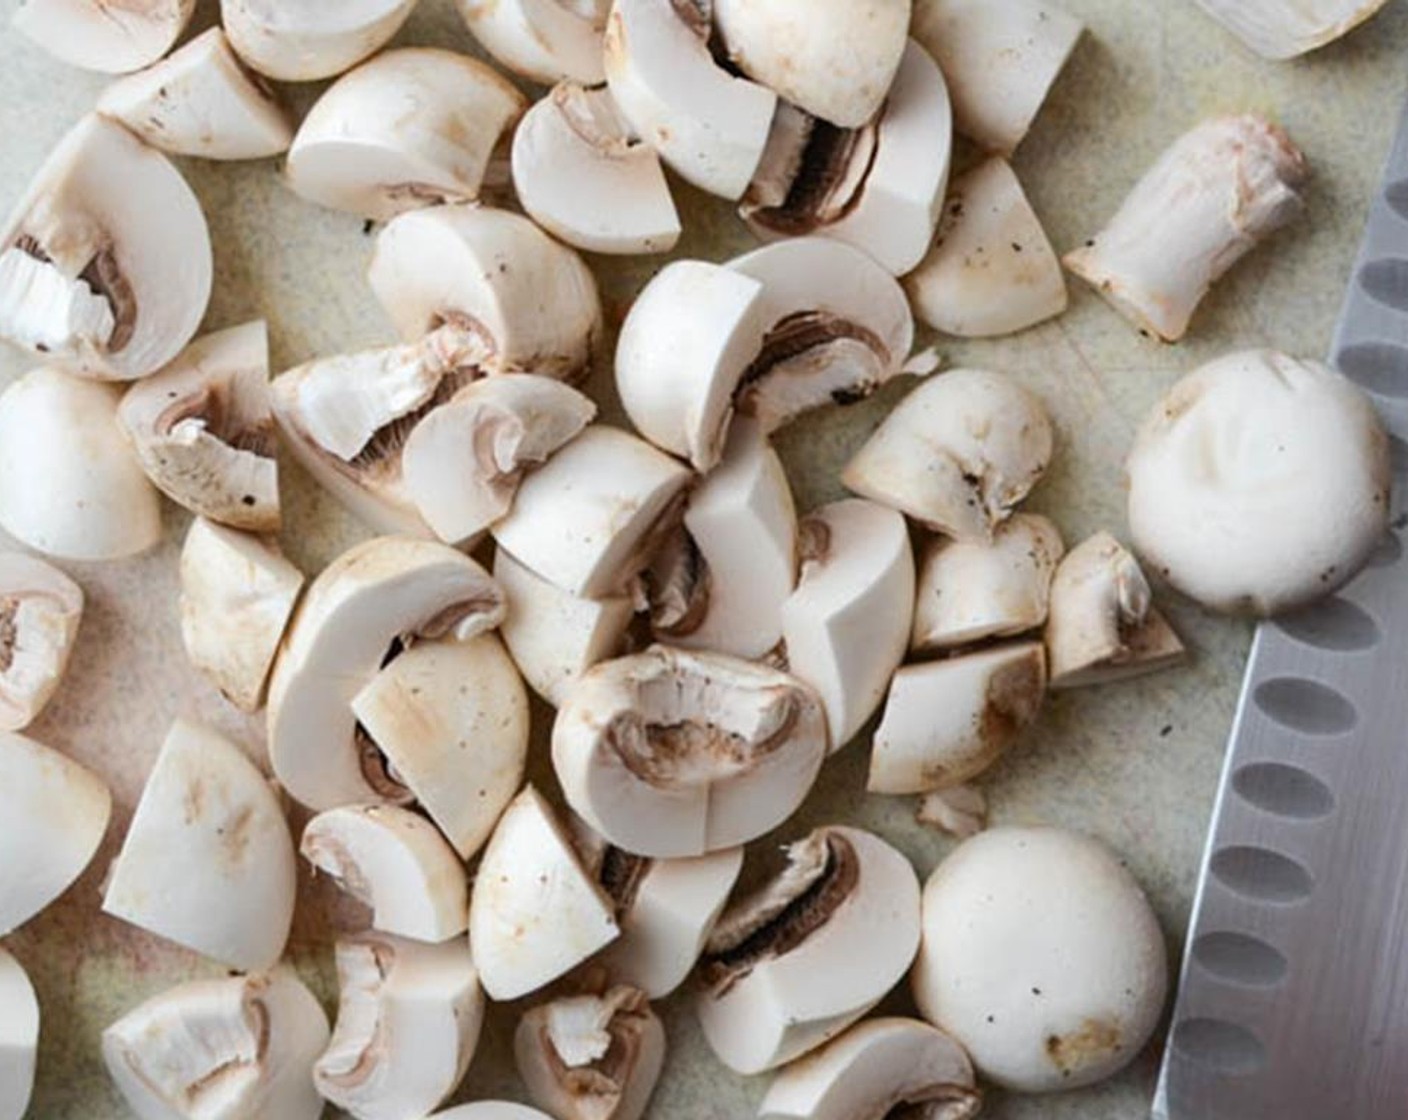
[{"x": 1092, "y": 1043}]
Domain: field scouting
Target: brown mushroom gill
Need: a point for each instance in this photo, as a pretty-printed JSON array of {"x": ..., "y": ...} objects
[
  {"x": 380, "y": 458},
  {"x": 235, "y": 421},
  {"x": 620, "y": 876},
  {"x": 677, "y": 586},
  {"x": 812, "y": 337},
  {"x": 818, "y": 186},
  {"x": 9, "y": 631}
]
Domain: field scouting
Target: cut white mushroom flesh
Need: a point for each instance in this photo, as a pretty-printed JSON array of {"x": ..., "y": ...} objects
[
  {"x": 961, "y": 811},
  {"x": 545, "y": 41},
  {"x": 40, "y": 609},
  {"x": 1284, "y": 29},
  {"x": 1215, "y": 194},
  {"x": 306, "y": 40},
  {"x": 19, "y": 1038},
  {"x": 208, "y": 861},
  {"x": 99, "y": 35},
  {"x": 846, "y": 908},
  {"x": 491, "y": 1110}
]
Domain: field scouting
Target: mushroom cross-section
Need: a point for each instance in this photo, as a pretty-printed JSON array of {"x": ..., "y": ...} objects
[
  {"x": 19, "y": 1038},
  {"x": 308, "y": 40},
  {"x": 545, "y": 41},
  {"x": 1285, "y": 29},
  {"x": 40, "y": 609},
  {"x": 103, "y": 36}
]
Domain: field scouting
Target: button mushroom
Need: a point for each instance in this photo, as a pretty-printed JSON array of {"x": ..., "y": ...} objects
[
  {"x": 40, "y": 609},
  {"x": 1285, "y": 29},
  {"x": 98, "y": 35},
  {"x": 19, "y": 1038},
  {"x": 305, "y": 40},
  {"x": 545, "y": 41}
]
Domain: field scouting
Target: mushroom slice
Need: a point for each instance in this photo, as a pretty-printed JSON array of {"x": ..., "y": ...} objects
[
  {"x": 55, "y": 813},
  {"x": 671, "y": 754},
  {"x": 19, "y": 1038},
  {"x": 408, "y": 1023},
  {"x": 94, "y": 506},
  {"x": 103, "y": 36},
  {"x": 410, "y": 128},
  {"x": 374, "y": 600},
  {"x": 1284, "y": 29},
  {"x": 586, "y": 519},
  {"x": 583, "y": 176},
  {"x": 970, "y": 591},
  {"x": 846, "y": 626},
  {"x": 1001, "y": 58},
  {"x": 452, "y": 720},
  {"x": 204, "y": 433},
  {"x": 535, "y": 913},
  {"x": 1104, "y": 626},
  {"x": 961, "y": 811},
  {"x": 201, "y": 101},
  {"x": 491, "y": 1110},
  {"x": 241, "y": 1047},
  {"x": 992, "y": 270},
  {"x": 534, "y": 301},
  {"x": 707, "y": 124},
  {"x": 886, "y": 1067},
  {"x": 958, "y": 454},
  {"x": 308, "y": 40},
  {"x": 948, "y": 721},
  {"x": 545, "y": 41},
  {"x": 595, "y": 1056},
  {"x": 1209, "y": 200},
  {"x": 40, "y": 609},
  {"x": 105, "y": 264},
  {"x": 463, "y": 462},
  {"x": 208, "y": 860},
  {"x": 845, "y": 908}
]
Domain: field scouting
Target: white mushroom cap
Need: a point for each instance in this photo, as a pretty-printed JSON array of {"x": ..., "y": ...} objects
[
  {"x": 583, "y": 176},
  {"x": 395, "y": 862},
  {"x": 105, "y": 263},
  {"x": 535, "y": 913},
  {"x": 40, "y": 609},
  {"x": 412, "y": 127},
  {"x": 1280, "y": 30},
  {"x": 307, "y": 40},
  {"x": 875, "y": 1069},
  {"x": 384, "y": 591},
  {"x": 201, "y": 101},
  {"x": 491, "y": 1110},
  {"x": 19, "y": 1038},
  {"x": 98, "y": 35},
  {"x": 846, "y": 627},
  {"x": 1042, "y": 956},
  {"x": 242, "y": 1046},
  {"x": 957, "y": 454},
  {"x": 408, "y": 1023},
  {"x": 544, "y": 40},
  {"x": 1259, "y": 483},
  {"x": 708, "y": 125},
  {"x": 781, "y": 977},
  {"x": 669, "y": 753},
  {"x": 94, "y": 506},
  {"x": 208, "y": 860},
  {"x": 992, "y": 270}
]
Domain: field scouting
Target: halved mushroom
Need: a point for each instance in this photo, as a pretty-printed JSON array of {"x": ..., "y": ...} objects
[
  {"x": 105, "y": 263},
  {"x": 846, "y": 909},
  {"x": 491, "y": 1110},
  {"x": 991, "y": 270},
  {"x": 208, "y": 860},
  {"x": 846, "y": 627},
  {"x": 1284, "y": 29},
  {"x": 408, "y": 1023},
  {"x": 97, "y": 505},
  {"x": 707, "y": 124},
  {"x": 545, "y": 41},
  {"x": 40, "y": 609},
  {"x": 242, "y": 1046},
  {"x": 534, "y": 301},
  {"x": 595, "y": 1056},
  {"x": 19, "y": 1038},
  {"x": 670, "y": 754},
  {"x": 1104, "y": 625},
  {"x": 583, "y": 175},
  {"x": 961, "y": 811},
  {"x": 100, "y": 35},
  {"x": 395, "y": 862},
  {"x": 412, "y": 127},
  {"x": 535, "y": 913},
  {"x": 883, "y": 1068},
  {"x": 1216, "y": 193},
  {"x": 370, "y": 603},
  {"x": 203, "y": 430},
  {"x": 307, "y": 40},
  {"x": 201, "y": 101},
  {"x": 958, "y": 454}
]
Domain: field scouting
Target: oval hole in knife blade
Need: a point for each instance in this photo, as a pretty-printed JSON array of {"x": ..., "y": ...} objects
[
  {"x": 1285, "y": 791},
  {"x": 1240, "y": 959},
  {"x": 1333, "y": 624},
  {"x": 1386, "y": 281},
  {"x": 1379, "y": 367},
  {"x": 1223, "y": 1046},
  {"x": 1261, "y": 874},
  {"x": 1306, "y": 706}
]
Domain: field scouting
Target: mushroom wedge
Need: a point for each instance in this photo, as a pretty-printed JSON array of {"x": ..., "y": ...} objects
[
  {"x": 40, "y": 610},
  {"x": 105, "y": 263},
  {"x": 671, "y": 754},
  {"x": 201, "y": 101},
  {"x": 208, "y": 859},
  {"x": 1285, "y": 29},
  {"x": 491, "y": 1110},
  {"x": 374, "y": 600},
  {"x": 19, "y": 1038},
  {"x": 99, "y": 35},
  {"x": 308, "y": 40},
  {"x": 845, "y": 908},
  {"x": 241, "y": 1048},
  {"x": 410, "y": 128},
  {"x": 408, "y": 1023},
  {"x": 545, "y": 41},
  {"x": 204, "y": 433}
]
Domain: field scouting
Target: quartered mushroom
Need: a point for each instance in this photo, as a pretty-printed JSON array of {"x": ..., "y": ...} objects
[
  {"x": 584, "y": 176},
  {"x": 105, "y": 263},
  {"x": 1103, "y": 624},
  {"x": 242, "y": 1046},
  {"x": 961, "y": 811},
  {"x": 201, "y": 101},
  {"x": 408, "y": 1023},
  {"x": 208, "y": 860},
  {"x": 40, "y": 609},
  {"x": 203, "y": 430},
  {"x": 308, "y": 40},
  {"x": 19, "y": 1038},
  {"x": 1284, "y": 29},
  {"x": 103, "y": 36},
  {"x": 1216, "y": 193},
  {"x": 491, "y": 1110},
  {"x": 410, "y": 128},
  {"x": 670, "y": 754},
  {"x": 545, "y": 41},
  {"x": 846, "y": 908}
]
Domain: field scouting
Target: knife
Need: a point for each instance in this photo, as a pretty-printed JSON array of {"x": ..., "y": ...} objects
[{"x": 1293, "y": 1000}]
